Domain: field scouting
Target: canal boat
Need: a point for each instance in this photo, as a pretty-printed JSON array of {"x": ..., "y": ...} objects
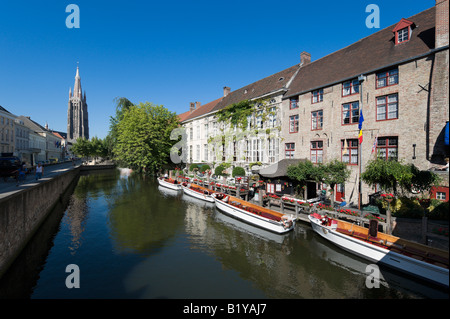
[
  {"x": 169, "y": 183},
  {"x": 253, "y": 214},
  {"x": 409, "y": 257},
  {"x": 198, "y": 191}
]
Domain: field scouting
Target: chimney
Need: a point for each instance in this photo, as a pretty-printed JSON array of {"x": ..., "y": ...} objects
[
  {"x": 305, "y": 58},
  {"x": 191, "y": 106},
  {"x": 226, "y": 91},
  {"x": 441, "y": 8},
  {"x": 197, "y": 105}
]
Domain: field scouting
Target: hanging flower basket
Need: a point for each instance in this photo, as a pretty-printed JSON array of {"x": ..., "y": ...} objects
[{"x": 388, "y": 197}]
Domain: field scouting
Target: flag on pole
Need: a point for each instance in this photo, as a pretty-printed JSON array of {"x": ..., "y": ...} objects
[
  {"x": 361, "y": 120},
  {"x": 374, "y": 147}
]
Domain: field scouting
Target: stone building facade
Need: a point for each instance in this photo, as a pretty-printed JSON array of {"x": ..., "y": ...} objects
[
  {"x": 398, "y": 82},
  {"x": 397, "y": 78}
]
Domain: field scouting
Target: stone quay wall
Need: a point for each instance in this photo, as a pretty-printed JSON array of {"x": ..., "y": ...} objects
[{"x": 22, "y": 213}]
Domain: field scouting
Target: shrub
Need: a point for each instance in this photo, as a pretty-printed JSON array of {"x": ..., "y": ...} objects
[
  {"x": 204, "y": 167},
  {"x": 192, "y": 167},
  {"x": 407, "y": 208},
  {"x": 219, "y": 170},
  {"x": 238, "y": 171},
  {"x": 439, "y": 210}
]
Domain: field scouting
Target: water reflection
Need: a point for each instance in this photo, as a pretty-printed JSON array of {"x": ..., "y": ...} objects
[{"x": 134, "y": 239}]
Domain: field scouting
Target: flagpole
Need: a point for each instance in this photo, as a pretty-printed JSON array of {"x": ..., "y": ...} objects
[{"x": 361, "y": 79}]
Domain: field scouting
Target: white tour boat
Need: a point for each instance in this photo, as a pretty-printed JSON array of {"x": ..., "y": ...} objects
[
  {"x": 169, "y": 183},
  {"x": 419, "y": 260},
  {"x": 254, "y": 214},
  {"x": 198, "y": 191}
]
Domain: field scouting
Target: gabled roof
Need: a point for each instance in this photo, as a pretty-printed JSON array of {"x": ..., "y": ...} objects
[
  {"x": 28, "y": 122},
  {"x": 276, "y": 82},
  {"x": 402, "y": 24},
  {"x": 4, "y": 110},
  {"x": 201, "y": 110},
  {"x": 366, "y": 55},
  {"x": 183, "y": 116},
  {"x": 273, "y": 83}
]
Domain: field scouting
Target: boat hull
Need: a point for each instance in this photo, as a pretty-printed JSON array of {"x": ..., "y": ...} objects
[
  {"x": 193, "y": 193},
  {"x": 162, "y": 182},
  {"x": 248, "y": 217},
  {"x": 382, "y": 255}
]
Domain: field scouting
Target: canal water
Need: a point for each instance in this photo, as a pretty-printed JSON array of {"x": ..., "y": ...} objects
[{"x": 130, "y": 238}]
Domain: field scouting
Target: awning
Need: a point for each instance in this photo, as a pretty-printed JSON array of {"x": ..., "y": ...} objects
[
  {"x": 446, "y": 134},
  {"x": 278, "y": 169}
]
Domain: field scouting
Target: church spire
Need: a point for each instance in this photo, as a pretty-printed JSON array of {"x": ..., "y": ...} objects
[{"x": 77, "y": 87}]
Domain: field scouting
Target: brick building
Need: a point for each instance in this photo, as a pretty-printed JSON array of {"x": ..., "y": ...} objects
[{"x": 397, "y": 78}]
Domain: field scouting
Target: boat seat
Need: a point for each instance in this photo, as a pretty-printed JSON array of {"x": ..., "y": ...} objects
[
  {"x": 360, "y": 235},
  {"x": 344, "y": 231}
]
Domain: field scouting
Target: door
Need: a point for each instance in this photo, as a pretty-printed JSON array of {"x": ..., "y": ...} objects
[{"x": 340, "y": 192}]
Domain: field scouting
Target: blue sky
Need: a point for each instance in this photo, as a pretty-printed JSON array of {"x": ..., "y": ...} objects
[{"x": 168, "y": 53}]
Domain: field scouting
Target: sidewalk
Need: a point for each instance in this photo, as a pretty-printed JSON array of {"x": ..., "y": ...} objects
[{"x": 10, "y": 186}]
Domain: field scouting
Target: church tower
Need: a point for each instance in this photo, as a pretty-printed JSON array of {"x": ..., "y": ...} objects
[{"x": 77, "y": 114}]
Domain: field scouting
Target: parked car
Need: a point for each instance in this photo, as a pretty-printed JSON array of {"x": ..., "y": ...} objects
[{"x": 9, "y": 166}]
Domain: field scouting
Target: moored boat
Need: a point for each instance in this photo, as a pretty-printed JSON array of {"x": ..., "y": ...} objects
[
  {"x": 254, "y": 214},
  {"x": 198, "y": 191},
  {"x": 169, "y": 183},
  {"x": 409, "y": 257}
]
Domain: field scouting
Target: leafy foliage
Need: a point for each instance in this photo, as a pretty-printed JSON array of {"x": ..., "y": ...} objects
[
  {"x": 204, "y": 168},
  {"x": 143, "y": 136},
  {"x": 219, "y": 170},
  {"x": 236, "y": 113},
  {"x": 396, "y": 176},
  {"x": 95, "y": 147},
  {"x": 238, "y": 171}
]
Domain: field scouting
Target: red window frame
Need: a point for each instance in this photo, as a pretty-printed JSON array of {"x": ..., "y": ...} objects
[
  {"x": 440, "y": 189},
  {"x": 386, "y": 145},
  {"x": 318, "y": 94},
  {"x": 293, "y": 104},
  {"x": 352, "y": 148},
  {"x": 353, "y": 87},
  {"x": 386, "y": 107},
  {"x": 316, "y": 150},
  {"x": 293, "y": 119},
  {"x": 316, "y": 120},
  {"x": 289, "y": 148},
  {"x": 353, "y": 110},
  {"x": 386, "y": 75}
]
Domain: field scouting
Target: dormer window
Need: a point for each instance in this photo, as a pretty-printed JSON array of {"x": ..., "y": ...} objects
[
  {"x": 402, "y": 31},
  {"x": 403, "y": 35}
]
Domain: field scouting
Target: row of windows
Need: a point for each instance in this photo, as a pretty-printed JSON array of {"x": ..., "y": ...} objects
[
  {"x": 383, "y": 79},
  {"x": 386, "y": 148},
  {"x": 254, "y": 122},
  {"x": 252, "y": 151},
  {"x": 386, "y": 106}
]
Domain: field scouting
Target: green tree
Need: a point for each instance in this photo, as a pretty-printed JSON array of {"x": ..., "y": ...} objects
[
  {"x": 390, "y": 175},
  {"x": 97, "y": 148},
  {"x": 122, "y": 106},
  {"x": 332, "y": 173},
  {"x": 81, "y": 148},
  {"x": 143, "y": 136},
  {"x": 302, "y": 172}
]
